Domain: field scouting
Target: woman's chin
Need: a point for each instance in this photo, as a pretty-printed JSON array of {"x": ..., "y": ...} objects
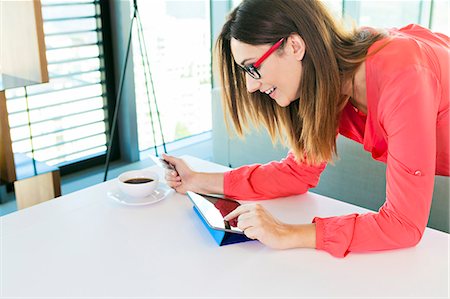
[{"x": 283, "y": 102}]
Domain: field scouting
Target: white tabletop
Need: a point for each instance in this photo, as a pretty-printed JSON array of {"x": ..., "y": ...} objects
[{"x": 86, "y": 245}]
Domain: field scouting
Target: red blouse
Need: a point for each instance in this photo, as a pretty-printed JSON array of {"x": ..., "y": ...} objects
[{"x": 406, "y": 126}]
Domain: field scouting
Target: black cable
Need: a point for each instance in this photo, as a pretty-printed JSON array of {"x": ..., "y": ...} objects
[
  {"x": 144, "y": 66},
  {"x": 118, "y": 98},
  {"x": 151, "y": 82}
]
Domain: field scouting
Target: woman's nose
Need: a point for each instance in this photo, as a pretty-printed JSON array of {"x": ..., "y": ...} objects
[{"x": 252, "y": 84}]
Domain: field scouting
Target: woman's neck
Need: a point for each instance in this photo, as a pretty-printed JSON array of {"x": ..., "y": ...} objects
[{"x": 355, "y": 89}]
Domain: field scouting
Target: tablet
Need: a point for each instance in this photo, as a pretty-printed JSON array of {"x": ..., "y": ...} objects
[{"x": 213, "y": 209}]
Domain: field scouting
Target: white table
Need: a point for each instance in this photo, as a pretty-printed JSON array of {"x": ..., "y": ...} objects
[{"x": 86, "y": 245}]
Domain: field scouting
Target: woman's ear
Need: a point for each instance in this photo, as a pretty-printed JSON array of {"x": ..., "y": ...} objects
[{"x": 296, "y": 45}]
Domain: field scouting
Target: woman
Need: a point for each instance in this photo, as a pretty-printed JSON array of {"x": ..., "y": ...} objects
[{"x": 288, "y": 65}]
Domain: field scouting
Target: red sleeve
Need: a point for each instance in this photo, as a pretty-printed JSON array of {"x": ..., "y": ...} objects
[
  {"x": 407, "y": 113},
  {"x": 275, "y": 179}
]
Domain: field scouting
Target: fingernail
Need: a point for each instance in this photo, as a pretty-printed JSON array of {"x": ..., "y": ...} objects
[{"x": 174, "y": 173}]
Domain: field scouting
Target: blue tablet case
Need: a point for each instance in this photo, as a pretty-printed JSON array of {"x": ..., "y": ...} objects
[{"x": 221, "y": 237}]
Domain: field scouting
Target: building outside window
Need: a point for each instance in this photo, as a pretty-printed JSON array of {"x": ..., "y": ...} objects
[{"x": 177, "y": 36}]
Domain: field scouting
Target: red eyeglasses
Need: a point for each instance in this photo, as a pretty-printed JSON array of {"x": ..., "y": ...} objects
[{"x": 252, "y": 69}]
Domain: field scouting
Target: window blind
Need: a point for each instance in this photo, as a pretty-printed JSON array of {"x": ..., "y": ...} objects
[{"x": 64, "y": 121}]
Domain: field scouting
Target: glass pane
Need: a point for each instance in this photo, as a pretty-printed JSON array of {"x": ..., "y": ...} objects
[
  {"x": 83, "y": 154},
  {"x": 69, "y": 25},
  {"x": 334, "y": 6},
  {"x": 66, "y": 122},
  {"x": 440, "y": 16},
  {"x": 56, "y": 96},
  {"x": 64, "y": 68},
  {"x": 70, "y": 148},
  {"x": 72, "y": 11},
  {"x": 177, "y": 35},
  {"x": 74, "y": 52},
  {"x": 387, "y": 14},
  {"x": 58, "y": 2},
  {"x": 67, "y": 40}
]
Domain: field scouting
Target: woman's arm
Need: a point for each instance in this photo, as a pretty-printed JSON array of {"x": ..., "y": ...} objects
[
  {"x": 275, "y": 179},
  {"x": 407, "y": 113},
  {"x": 259, "y": 181},
  {"x": 185, "y": 179}
]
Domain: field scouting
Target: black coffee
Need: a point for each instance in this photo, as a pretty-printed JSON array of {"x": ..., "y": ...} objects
[{"x": 138, "y": 181}]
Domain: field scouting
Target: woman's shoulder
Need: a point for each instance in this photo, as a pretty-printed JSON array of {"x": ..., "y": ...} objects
[
  {"x": 423, "y": 34},
  {"x": 409, "y": 47},
  {"x": 410, "y": 38},
  {"x": 407, "y": 58}
]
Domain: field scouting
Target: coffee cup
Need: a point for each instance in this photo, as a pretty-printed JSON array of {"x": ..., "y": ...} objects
[{"x": 138, "y": 183}]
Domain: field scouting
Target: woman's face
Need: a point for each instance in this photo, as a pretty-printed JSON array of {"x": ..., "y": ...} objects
[{"x": 280, "y": 72}]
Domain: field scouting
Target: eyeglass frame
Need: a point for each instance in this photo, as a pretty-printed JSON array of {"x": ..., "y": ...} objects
[{"x": 252, "y": 69}]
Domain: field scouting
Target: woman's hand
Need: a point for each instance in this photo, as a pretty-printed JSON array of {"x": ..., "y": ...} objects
[
  {"x": 181, "y": 179},
  {"x": 258, "y": 223},
  {"x": 184, "y": 179}
]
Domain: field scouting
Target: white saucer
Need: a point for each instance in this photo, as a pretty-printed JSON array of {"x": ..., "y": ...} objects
[{"x": 157, "y": 195}]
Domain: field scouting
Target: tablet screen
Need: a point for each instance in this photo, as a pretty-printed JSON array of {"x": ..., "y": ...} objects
[{"x": 213, "y": 210}]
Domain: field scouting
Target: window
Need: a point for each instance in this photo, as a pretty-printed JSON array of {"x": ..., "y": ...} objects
[
  {"x": 395, "y": 13},
  {"x": 398, "y": 13},
  {"x": 178, "y": 40},
  {"x": 334, "y": 6},
  {"x": 64, "y": 120},
  {"x": 439, "y": 19}
]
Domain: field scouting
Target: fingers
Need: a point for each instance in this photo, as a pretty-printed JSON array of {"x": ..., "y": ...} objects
[
  {"x": 171, "y": 159},
  {"x": 238, "y": 211},
  {"x": 255, "y": 208},
  {"x": 169, "y": 162},
  {"x": 174, "y": 184},
  {"x": 172, "y": 175},
  {"x": 251, "y": 233},
  {"x": 250, "y": 219},
  {"x": 173, "y": 180},
  {"x": 246, "y": 221},
  {"x": 180, "y": 189}
]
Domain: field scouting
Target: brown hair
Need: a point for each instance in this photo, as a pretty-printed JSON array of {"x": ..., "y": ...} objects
[{"x": 308, "y": 125}]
